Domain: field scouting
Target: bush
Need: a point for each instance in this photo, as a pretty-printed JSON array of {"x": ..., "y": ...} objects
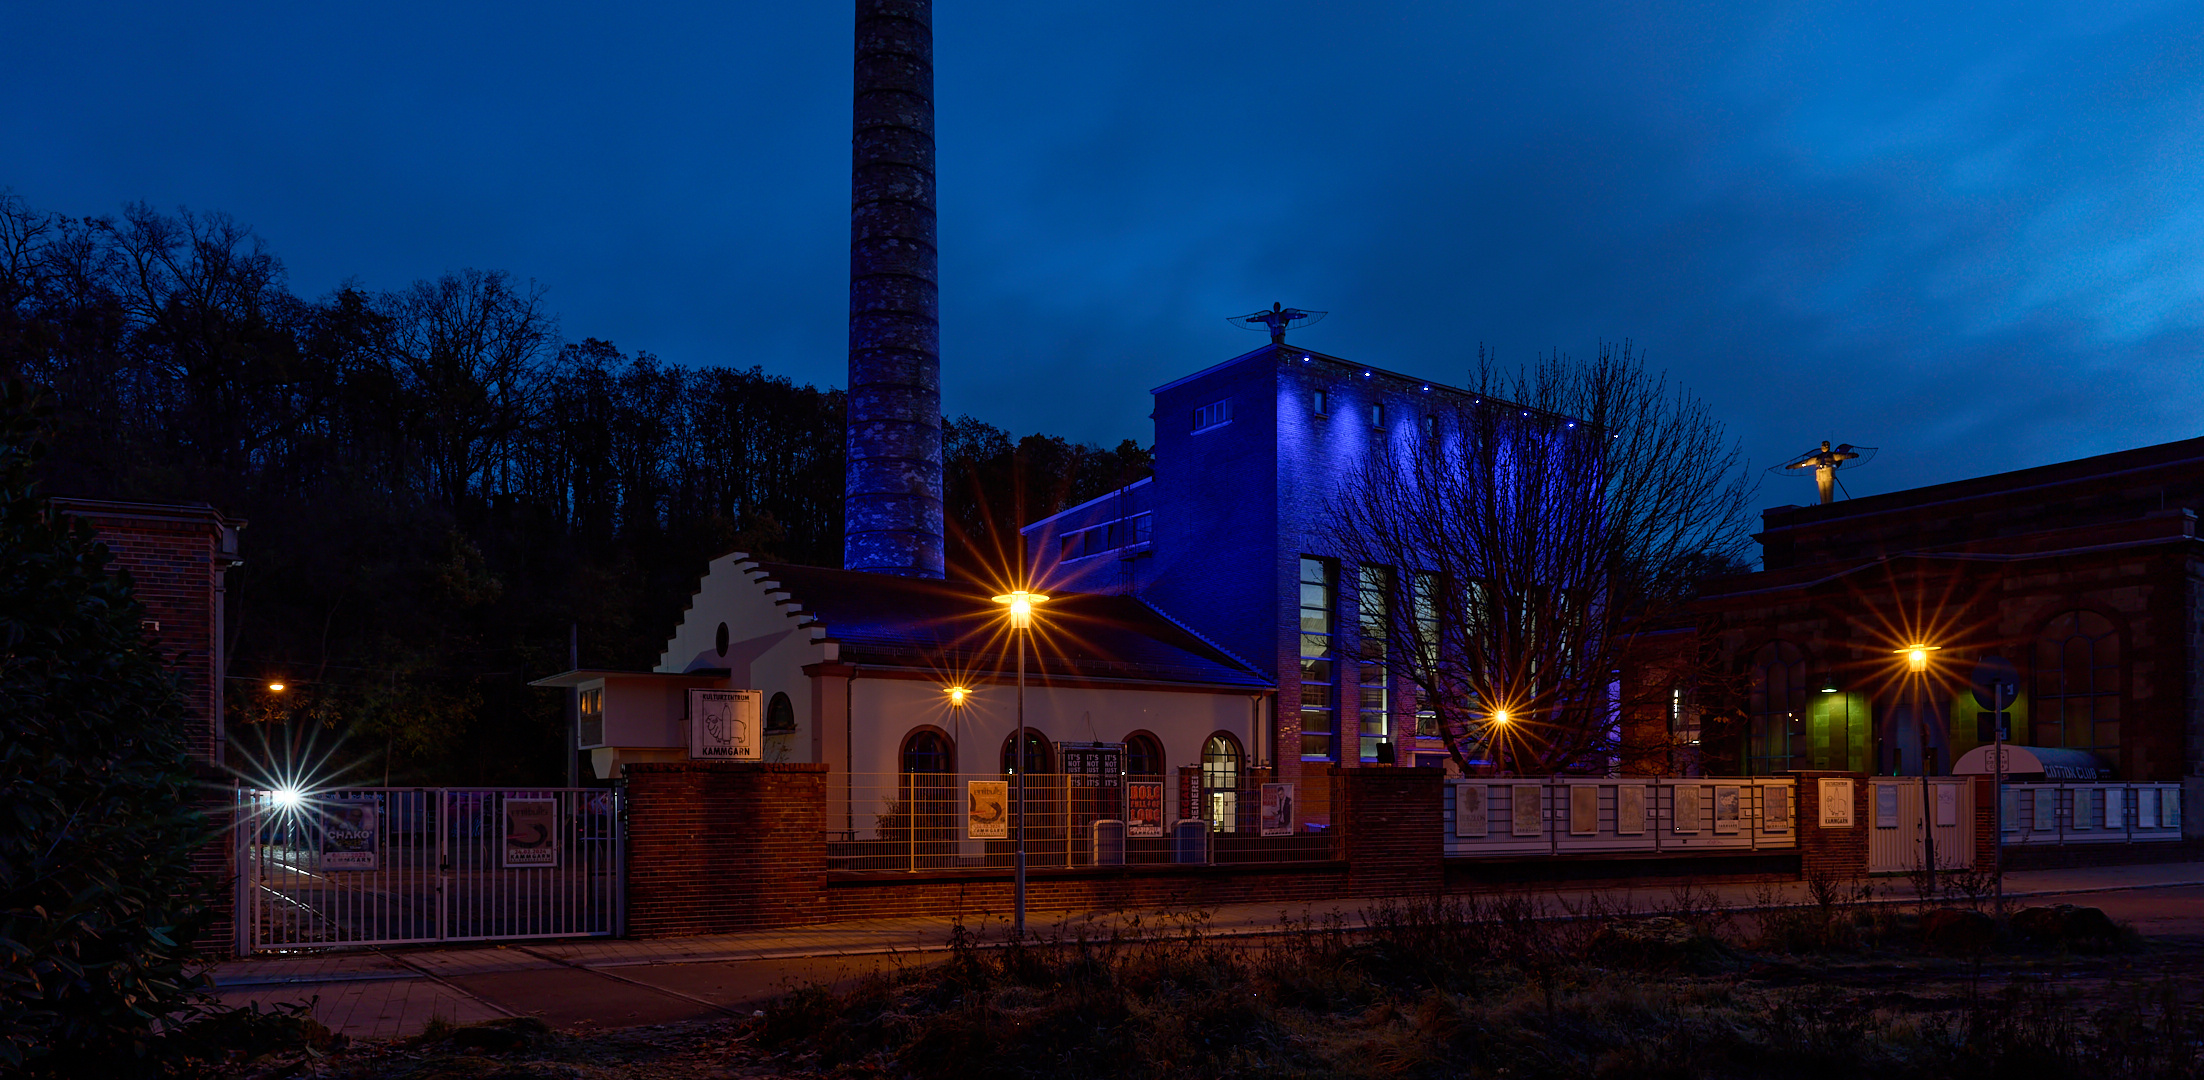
[{"x": 97, "y": 896}]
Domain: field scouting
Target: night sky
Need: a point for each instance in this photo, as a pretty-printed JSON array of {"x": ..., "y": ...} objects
[{"x": 1971, "y": 235}]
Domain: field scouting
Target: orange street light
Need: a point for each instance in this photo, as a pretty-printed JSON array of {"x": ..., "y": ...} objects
[
  {"x": 275, "y": 688},
  {"x": 1021, "y": 619},
  {"x": 1917, "y": 656},
  {"x": 1021, "y": 607},
  {"x": 957, "y": 694}
]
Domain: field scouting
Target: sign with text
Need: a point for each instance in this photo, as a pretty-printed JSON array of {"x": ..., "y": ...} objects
[
  {"x": 1093, "y": 765},
  {"x": 1775, "y": 809},
  {"x": 1725, "y": 809},
  {"x": 1527, "y": 809},
  {"x": 723, "y": 725},
  {"x": 1630, "y": 815},
  {"x": 348, "y": 834},
  {"x": 1277, "y": 809},
  {"x": 987, "y": 812},
  {"x": 1144, "y": 808},
  {"x": 531, "y": 832},
  {"x": 1836, "y": 804},
  {"x": 1683, "y": 810},
  {"x": 1470, "y": 822}
]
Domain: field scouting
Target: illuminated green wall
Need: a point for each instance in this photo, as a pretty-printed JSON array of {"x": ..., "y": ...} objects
[{"x": 1840, "y": 732}]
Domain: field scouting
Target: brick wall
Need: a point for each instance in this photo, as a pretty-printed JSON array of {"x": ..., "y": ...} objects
[
  {"x": 1840, "y": 852},
  {"x": 718, "y": 846},
  {"x": 1389, "y": 825}
]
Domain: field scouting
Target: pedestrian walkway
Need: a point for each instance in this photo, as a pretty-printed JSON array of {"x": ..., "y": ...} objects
[{"x": 610, "y": 982}]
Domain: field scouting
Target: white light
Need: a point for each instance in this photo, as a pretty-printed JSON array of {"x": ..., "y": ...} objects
[{"x": 288, "y": 798}]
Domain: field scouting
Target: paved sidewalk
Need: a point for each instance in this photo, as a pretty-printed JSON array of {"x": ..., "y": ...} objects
[{"x": 608, "y": 982}]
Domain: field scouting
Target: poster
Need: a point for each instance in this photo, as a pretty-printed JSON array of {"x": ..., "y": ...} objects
[
  {"x": 987, "y": 812},
  {"x": 1775, "y": 809},
  {"x": 723, "y": 725},
  {"x": 1630, "y": 817},
  {"x": 348, "y": 834},
  {"x": 1093, "y": 765},
  {"x": 1525, "y": 800},
  {"x": 1836, "y": 804},
  {"x": 1725, "y": 809},
  {"x": 2046, "y": 809},
  {"x": 1144, "y": 808},
  {"x": 531, "y": 832},
  {"x": 1469, "y": 811},
  {"x": 1583, "y": 810},
  {"x": 1947, "y": 805},
  {"x": 1685, "y": 812},
  {"x": 2146, "y": 808},
  {"x": 1277, "y": 809},
  {"x": 1886, "y": 806},
  {"x": 2115, "y": 809}
]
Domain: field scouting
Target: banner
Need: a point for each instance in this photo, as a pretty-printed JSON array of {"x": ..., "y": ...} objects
[
  {"x": 531, "y": 832},
  {"x": 1144, "y": 808},
  {"x": 1277, "y": 809},
  {"x": 723, "y": 725},
  {"x": 348, "y": 834},
  {"x": 988, "y": 813}
]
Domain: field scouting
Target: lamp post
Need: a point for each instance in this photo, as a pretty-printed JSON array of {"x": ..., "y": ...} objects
[
  {"x": 1917, "y": 662},
  {"x": 1021, "y": 624},
  {"x": 1499, "y": 747}
]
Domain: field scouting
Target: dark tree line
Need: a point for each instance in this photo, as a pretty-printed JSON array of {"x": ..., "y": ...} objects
[{"x": 438, "y": 485}]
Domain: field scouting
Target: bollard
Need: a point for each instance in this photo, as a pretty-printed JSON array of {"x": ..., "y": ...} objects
[
  {"x": 1190, "y": 841},
  {"x": 1109, "y": 843}
]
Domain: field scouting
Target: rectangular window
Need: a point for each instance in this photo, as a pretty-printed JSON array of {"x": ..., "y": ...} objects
[
  {"x": 1377, "y": 414},
  {"x": 1319, "y": 676},
  {"x": 1212, "y": 414},
  {"x": 1425, "y": 604},
  {"x": 1430, "y": 427},
  {"x": 592, "y": 715},
  {"x": 1373, "y": 608},
  {"x": 1071, "y": 547},
  {"x": 1321, "y": 402}
]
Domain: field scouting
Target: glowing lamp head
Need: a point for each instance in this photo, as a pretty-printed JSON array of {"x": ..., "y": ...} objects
[
  {"x": 957, "y": 694},
  {"x": 288, "y": 798},
  {"x": 1500, "y": 716},
  {"x": 1021, "y": 605},
  {"x": 275, "y": 688},
  {"x": 1917, "y": 656}
]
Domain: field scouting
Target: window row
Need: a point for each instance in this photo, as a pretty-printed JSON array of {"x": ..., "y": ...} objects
[
  {"x": 930, "y": 750},
  {"x": 1099, "y": 539}
]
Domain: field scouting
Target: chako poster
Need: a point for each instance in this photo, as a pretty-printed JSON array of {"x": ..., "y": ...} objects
[
  {"x": 987, "y": 811},
  {"x": 1144, "y": 808},
  {"x": 348, "y": 835},
  {"x": 531, "y": 832},
  {"x": 1277, "y": 809}
]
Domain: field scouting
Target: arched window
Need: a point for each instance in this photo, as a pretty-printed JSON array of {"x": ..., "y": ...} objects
[
  {"x": 780, "y": 715},
  {"x": 2078, "y": 683},
  {"x": 1037, "y": 757},
  {"x": 1143, "y": 755},
  {"x": 1220, "y": 782},
  {"x": 927, "y": 751},
  {"x": 1776, "y": 710}
]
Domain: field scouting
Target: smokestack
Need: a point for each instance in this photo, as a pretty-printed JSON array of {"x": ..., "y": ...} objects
[{"x": 892, "y": 501}]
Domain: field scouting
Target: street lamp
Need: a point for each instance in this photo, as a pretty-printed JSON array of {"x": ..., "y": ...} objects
[
  {"x": 1021, "y": 605},
  {"x": 1499, "y": 750},
  {"x": 1917, "y": 662}
]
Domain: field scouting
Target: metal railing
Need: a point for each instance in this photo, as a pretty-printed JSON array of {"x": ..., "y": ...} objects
[
  {"x": 2103, "y": 813},
  {"x": 1566, "y": 815},
  {"x": 939, "y": 821},
  {"x": 376, "y": 866}
]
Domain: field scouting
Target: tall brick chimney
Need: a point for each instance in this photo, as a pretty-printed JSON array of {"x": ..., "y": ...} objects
[{"x": 892, "y": 500}]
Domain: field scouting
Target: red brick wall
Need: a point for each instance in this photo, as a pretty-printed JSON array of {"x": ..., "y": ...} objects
[
  {"x": 717, "y": 846},
  {"x": 1840, "y": 853},
  {"x": 1389, "y": 825}
]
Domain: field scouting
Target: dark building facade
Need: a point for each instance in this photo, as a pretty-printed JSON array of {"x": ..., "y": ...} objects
[{"x": 2081, "y": 584}]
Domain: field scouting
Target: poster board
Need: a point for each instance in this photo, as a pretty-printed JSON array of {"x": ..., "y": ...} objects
[
  {"x": 349, "y": 834},
  {"x": 723, "y": 725},
  {"x": 1630, "y": 816},
  {"x": 1886, "y": 806},
  {"x": 1947, "y": 805},
  {"x": 1277, "y": 809},
  {"x": 1775, "y": 808},
  {"x": 1526, "y": 802},
  {"x": 1583, "y": 810},
  {"x": 2146, "y": 808},
  {"x": 2046, "y": 818},
  {"x": 1726, "y": 817},
  {"x": 1836, "y": 804},
  {"x": 531, "y": 832},
  {"x": 1144, "y": 808},
  {"x": 987, "y": 809},
  {"x": 1470, "y": 822},
  {"x": 2115, "y": 809},
  {"x": 1684, "y": 811}
]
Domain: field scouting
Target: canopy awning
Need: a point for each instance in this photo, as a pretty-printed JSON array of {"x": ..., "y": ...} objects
[{"x": 2052, "y": 763}]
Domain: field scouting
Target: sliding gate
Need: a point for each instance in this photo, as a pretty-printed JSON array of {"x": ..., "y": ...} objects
[{"x": 379, "y": 866}]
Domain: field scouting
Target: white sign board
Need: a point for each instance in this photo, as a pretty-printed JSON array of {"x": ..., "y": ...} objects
[
  {"x": 1947, "y": 805},
  {"x": 723, "y": 725},
  {"x": 1836, "y": 804},
  {"x": 531, "y": 832}
]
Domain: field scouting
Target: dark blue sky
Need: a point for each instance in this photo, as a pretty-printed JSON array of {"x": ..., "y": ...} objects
[{"x": 1971, "y": 235}]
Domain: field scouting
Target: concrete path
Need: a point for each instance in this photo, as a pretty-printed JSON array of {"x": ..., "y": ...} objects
[{"x": 610, "y": 983}]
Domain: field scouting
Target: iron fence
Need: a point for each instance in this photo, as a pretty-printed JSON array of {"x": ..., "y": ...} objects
[{"x": 2039, "y": 814}]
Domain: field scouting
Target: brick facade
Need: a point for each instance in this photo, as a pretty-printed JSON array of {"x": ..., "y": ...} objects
[
  {"x": 176, "y": 557},
  {"x": 717, "y": 846},
  {"x": 1837, "y": 853}
]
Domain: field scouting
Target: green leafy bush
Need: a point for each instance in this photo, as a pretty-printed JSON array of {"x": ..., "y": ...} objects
[{"x": 97, "y": 822}]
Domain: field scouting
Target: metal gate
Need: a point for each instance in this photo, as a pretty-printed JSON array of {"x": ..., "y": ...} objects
[
  {"x": 379, "y": 866},
  {"x": 1894, "y": 828}
]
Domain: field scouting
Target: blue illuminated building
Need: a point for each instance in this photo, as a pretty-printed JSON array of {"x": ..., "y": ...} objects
[{"x": 1229, "y": 540}]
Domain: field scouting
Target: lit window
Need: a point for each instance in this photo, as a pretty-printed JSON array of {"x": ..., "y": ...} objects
[
  {"x": 1212, "y": 414},
  {"x": 593, "y": 717},
  {"x": 1220, "y": 782},
  {"x": 1319, "y": 679},
  {"x": 1373, "y": 605}
]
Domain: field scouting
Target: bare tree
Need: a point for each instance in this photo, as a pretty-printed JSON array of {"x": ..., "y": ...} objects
[{"x": 1548, "y": 537}]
